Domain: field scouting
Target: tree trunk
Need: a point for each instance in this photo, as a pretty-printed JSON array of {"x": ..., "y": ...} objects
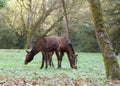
[
  {"x": 66, "y": 18},
  {"x": 30, "y": 22},
  {"x": 110, "y": 59},
  {"x": 29, "y": 38},
  {"x": 37, "y": 23}
]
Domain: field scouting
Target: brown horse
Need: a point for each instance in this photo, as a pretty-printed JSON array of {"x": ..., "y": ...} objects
[
  {"x": 46, "y": 45},
  {"x": 65, "y": 46},
  {"x": 51, "y": 44}
]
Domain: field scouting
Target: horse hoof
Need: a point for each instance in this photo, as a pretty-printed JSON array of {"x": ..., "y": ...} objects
[
  {"x": 75, "y": 67},
  {"x": 58, "y": 68},
  {"x": 41, "y": 67}
]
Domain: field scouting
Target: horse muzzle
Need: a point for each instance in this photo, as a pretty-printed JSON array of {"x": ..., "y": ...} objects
[{"x": 25, "y": 63}]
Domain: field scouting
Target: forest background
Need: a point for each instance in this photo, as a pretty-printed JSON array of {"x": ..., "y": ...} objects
[{"x": 25, "y": 20}]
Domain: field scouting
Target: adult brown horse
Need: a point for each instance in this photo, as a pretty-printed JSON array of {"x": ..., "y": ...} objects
[
  {"x": 51, "y": 44},
  {"x": 65, "y": 46},
  {"x": 45, "y": 45}
]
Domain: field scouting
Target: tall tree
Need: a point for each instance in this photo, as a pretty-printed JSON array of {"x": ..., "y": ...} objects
[
  {"x": 66, "y": 18},
  {"x": 39, "y": 21},
  {"x": 30, "y": 22},
  {"x": 110, "y": 59}
]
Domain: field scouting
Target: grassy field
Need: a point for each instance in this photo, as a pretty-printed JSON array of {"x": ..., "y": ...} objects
[{"x": 90, "y": 71}]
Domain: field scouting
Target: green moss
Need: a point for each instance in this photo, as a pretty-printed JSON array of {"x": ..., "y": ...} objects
[{"x": 110, "y": 60}]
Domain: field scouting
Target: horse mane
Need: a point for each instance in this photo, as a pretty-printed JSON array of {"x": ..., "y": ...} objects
[
  {"x": 70, "y": 44},
  {"x": 72, "y": 48}
]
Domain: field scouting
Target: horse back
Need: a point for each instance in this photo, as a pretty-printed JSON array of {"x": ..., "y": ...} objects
[
  {"x": 66, "y": 44},
  {"x": 49, "y": 43}
]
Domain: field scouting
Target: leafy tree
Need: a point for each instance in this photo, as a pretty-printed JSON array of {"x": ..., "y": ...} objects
[
  {"x": 41, "y": 21},
  {"x": 2, "y": 3},
  {"x": 7, "y": 38},
  {"x": 115, "y": 37},
  {"x": 83, "y": 38},
  {"x": 113, "y": 22},
  {"x": 21, "y": 39}
]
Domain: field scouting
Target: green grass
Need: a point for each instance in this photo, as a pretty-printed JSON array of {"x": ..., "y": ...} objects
[{"x": 90, "y": 69}]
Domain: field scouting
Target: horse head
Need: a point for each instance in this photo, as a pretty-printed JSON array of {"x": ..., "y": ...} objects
[
  {"x": 29, "y": 57},
  {"x": 74, "y": 61}
]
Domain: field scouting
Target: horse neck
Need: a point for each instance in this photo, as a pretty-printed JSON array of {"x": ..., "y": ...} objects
[
  {"x": 35, "y": 50},
  {"x": 69, "y": 45},
  {"x": 70, "y": 49}
]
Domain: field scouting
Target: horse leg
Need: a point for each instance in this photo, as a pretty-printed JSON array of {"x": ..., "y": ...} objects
[
  {"x": 52, "y": 63},
  {"x": 42, "y": 61},
  {"x": 58, "y": 58},
  {"x": 61, "y": 56},
  {"x": 51, "y": 59},
  {"x": 69, "y": 60},
  {"x": 46, "y": 58}
]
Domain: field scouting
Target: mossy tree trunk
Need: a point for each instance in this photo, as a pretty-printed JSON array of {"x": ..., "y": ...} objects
[
  {"x": 30, "y": 22},
  {"x": 110, "y": 59}
]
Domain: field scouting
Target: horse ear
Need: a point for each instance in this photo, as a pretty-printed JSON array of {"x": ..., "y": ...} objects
[{"x": 27, "y": 51}]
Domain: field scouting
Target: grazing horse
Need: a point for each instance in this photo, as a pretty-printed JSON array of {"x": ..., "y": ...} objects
[
  {"x": 45, "y": 45},
  {"x": 65, "y": 46}
]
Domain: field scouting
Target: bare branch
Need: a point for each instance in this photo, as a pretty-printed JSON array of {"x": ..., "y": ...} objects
[
  {"x": 52, "y": 26},
  {"x": 42, "y": 18},
  {"x": 25, "y": 5}
]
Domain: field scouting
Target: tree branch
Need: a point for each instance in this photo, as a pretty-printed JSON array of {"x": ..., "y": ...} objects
[{"x": 52, "y": 26}]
